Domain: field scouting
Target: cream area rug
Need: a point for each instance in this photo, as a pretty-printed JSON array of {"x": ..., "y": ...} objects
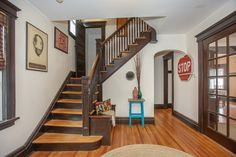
[{"x": 146, "y": 150}]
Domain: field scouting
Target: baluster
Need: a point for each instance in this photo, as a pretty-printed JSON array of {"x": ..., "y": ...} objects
[
  {"x": 123, "y": 39},
  {"x": 141, "y": 26},
  {"x": 114, "y": 47},
  {"x": 136, "y": 27},
  {"x": 133, "y": 30},
  {"x": 127, "y": 36},
  {"x": 109, "y": 51},
  {"x": 117, "y": 51},
  {"x": 129, "y": 33}
]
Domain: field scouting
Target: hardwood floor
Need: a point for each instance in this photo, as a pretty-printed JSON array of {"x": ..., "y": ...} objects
[{"x": 167, "y": 131}]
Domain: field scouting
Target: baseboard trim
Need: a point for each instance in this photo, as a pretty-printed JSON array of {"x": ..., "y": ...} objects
[
  {"x": 186, "y": 120},
  {"x": 162, "y": 106},
  {"x": 125, "y": 120},
  {"x": 27, "y": 148}
]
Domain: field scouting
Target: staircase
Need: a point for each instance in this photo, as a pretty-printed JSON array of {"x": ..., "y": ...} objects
[
  {"x": 66, "y": 125},
  {"x": 63, "y": 127},
  {"x": 123, "y": 44}
]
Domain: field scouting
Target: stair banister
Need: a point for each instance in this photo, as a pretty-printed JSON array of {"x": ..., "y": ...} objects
[{"x": 89, "y": 89}]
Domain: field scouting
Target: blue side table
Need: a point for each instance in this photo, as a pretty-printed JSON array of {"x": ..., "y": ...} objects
[{"x": 136, "y": 115}]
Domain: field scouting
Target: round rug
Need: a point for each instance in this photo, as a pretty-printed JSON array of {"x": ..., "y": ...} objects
[{"x": 146, "y": 150}]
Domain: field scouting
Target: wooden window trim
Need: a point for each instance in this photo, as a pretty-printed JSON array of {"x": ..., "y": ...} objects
[
  {"x": 71, "y": 34},
  {"x": 10, "y": 10}
]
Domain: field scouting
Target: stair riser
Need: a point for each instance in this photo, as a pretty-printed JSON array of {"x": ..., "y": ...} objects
[
  {"x": 66, "y": 147},
  {"x": 75, "y": 81},
  {"x": 66, "y": 130},
  {"x": 71, "y": 96},
  {"x": 73, "y": 88},
  {"x": 65, "y": 116},
  {"x": 70, "y": 106}
]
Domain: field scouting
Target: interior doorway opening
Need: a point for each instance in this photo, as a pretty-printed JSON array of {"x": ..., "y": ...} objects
[{"x": 165, "y": 75}]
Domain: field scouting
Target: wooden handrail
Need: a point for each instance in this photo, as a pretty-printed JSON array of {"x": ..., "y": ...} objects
[
  {"x": 92, "y": 71},
  {"x": 120, "y": 28}
]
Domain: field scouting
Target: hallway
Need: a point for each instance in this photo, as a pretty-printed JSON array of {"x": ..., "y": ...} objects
[{"x": 167, "y": 131}]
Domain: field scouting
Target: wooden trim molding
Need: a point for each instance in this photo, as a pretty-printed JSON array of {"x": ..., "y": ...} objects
[
  {"x": 7, "y": 123},
  {"x": 125, "y": 120},
  {"x": 186, "y": 120},
  {"x": 27, "y": 147},
  {"x": 162, "y": 106},
  {"x": 217, "y": 27}
]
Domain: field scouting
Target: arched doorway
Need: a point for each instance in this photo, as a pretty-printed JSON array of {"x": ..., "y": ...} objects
[{"x": 165, "y": 76}]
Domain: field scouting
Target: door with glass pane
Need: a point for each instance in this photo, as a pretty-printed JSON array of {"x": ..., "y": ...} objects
[{"x": 220, "y": 108}]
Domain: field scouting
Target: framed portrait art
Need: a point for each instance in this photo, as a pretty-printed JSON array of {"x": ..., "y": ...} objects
[
  {"x": 36, "y": 49},
  {"x": 60, "y": 40}
]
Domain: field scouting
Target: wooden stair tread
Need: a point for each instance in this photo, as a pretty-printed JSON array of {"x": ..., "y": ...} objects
[
  {"x": 103, "y": 71},
  {"x": 67, "y": 111},
  {"x": 133, "y": 44},
  {"x": 73, "y": 85},
  {"x": 65, "y": 138},
  {"x": 71, "y": 101},
  {"x": 109, "y": 65},
  {"x": 72, "y": 92},
  {"x": 117, "y": 58},
  {"x": 64, "y": 123}
]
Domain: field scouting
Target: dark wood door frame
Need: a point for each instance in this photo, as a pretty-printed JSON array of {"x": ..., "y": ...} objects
[
  {"x": 81, "y": 43},
  {"x": 166, "y": 72},
  {"x": 215, "y": 30},
  {"x": 97, "y": 24}
]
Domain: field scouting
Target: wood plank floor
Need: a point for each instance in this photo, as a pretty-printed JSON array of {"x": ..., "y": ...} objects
[{"x": 167, "y": 131}]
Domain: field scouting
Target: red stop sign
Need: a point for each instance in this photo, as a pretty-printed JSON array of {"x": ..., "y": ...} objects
[{"x": 185, "y": 68}]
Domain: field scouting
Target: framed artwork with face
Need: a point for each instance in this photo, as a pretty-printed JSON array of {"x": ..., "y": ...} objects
[{"x": 36, "y": 49}]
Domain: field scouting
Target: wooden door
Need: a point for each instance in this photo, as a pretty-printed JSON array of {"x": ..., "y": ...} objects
[
  {"x": 219, "y": 118},
  {"x": 168, "y": 80},
  {"x": 80, "y": 50}
]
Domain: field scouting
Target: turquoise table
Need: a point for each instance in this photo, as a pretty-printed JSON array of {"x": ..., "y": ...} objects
[{"x": 136, "y": 115}]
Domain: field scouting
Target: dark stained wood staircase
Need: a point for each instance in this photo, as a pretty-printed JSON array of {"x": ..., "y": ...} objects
[
  {"x": 67, "y": 123},
  {"x": 63, "y": 128},
  {"x": 123, "y": 44}
]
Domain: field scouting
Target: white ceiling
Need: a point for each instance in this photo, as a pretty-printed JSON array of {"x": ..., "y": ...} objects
[{"x": 180, "y": 15}]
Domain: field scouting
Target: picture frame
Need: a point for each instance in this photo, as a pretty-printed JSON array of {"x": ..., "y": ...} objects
[
  {"x": 60, "y": 40},
  {"x": 119, "y": 23},
  {"x": 36, "y": 49}
]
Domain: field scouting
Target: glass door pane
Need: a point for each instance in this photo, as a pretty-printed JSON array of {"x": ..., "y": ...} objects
[
  {"x": 222, "y": 47},
  {"x": 212, "y": 50},
  {"x": 232, "y": 43}
]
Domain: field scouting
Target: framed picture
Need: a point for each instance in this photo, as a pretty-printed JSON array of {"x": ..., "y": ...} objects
[
  {"x": 119, "y": 23},
  {"x": 60, "y": 40},
  {"x": 36, "y": 49}
]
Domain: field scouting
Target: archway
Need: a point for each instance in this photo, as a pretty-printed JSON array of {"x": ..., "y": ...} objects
[{"x": 165, "y": 76}]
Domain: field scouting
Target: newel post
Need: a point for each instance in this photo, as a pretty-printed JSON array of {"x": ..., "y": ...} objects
[
  {"x": 100, "y": 52},
  {"x": 85, "y": 105}
]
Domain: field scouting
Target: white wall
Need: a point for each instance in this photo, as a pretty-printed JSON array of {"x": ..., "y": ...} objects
[
  {"x": 110, "y": 27},
  {"x": 34, "y": 90},
  {"x": 90, "y": 49},
  {"x": 119, "y": 89}
]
